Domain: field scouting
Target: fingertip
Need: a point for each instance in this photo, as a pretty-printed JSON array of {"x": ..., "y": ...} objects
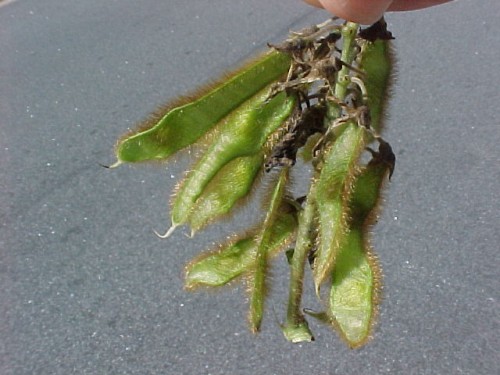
[
  {"x": 403, "y": 5},
  {"x": 359, "y": 11}
]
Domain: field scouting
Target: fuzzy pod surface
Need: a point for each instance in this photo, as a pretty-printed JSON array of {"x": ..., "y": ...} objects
[{"x": 182, "y": 122}]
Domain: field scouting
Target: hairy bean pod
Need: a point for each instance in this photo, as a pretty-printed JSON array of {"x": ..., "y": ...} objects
[
  {"x": 242, "y": 133},
  {"x": 334, "y": 187},
  {"x": 356, "y": 277},
  {"x": 236, "y": 257},
  {"x": 231, "y": 183},
  {"x": 259, "y": 118},
  {"x": 376, "y": 60},
  {"x": 184, "y": 121}
]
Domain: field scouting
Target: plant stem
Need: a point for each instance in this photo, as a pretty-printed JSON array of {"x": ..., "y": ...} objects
[
  {"x": 349, "y": 31},
  {"x": 296, "y": 328},
  {"x": 258, "y": 284}
]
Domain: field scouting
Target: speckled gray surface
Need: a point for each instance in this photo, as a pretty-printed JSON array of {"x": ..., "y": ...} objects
[{"x": 86, "y": 288}]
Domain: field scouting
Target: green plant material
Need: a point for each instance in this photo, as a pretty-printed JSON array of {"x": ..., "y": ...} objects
[
  {"x": 299, "y": 332},
  {"x": 337, "y": 172},
  {"x": 264, "y": 241},
  {"x": 307, "y": 151},
  {"x": 231, "y": 183},
  {"x": 376, "y": 61},
  {"x": 219, "y": 267},
  {"x": 348, "y": 55},
  {"x": 242, "y": 133},
  {"x": 182, "y": 122},
  {"x": 236, "y": 257},
  {"x": 296, "y": 328},
  {"x": 353, "y": 300},
  {"x": 356, "y": 278},
  {"x": 328, "y": 109},
  {"x": 349, "y": 31},
  {"x": 332, "y": 196}
]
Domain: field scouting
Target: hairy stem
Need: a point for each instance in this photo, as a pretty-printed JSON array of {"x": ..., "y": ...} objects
[{"x": 296, "y": 328}]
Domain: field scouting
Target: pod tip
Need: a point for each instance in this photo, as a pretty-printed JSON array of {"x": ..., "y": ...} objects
[
  {"x": 112, "y": 166},
  {"x": 167, "y": 233}
]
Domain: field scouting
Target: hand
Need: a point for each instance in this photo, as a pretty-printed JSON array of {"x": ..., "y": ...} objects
[{"x": 370, "y": 11}]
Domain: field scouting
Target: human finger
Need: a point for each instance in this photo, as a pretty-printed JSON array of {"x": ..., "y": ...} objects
[
  {"x": 368, "y": 12},
  {"x": 361, "y": 11}
]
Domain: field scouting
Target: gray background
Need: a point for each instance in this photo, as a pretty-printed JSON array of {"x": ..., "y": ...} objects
[{"x": 86, "y": 287}]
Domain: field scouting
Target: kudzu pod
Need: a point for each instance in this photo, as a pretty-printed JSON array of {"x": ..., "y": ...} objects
[
  {"x": 242, "y": 133},
  {"x": 376, "y": 60},
  {"x": 219, "y": 267},
  {"x": 237, "y": 119},
  {"x": 184, "y": 121},
  {"x": 332, "y": 197},
  {"x": 264, "y": 240},
  {"x": 231, "y": 260},
  {"x": 355, "y": 289},
  {"x": 354, "y": 292},
  {"x": 231, "y": 183}
]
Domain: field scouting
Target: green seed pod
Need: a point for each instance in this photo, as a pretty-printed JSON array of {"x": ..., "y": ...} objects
[
  {"x": 242, "y": 133},
  {"x": 376, "y": 60},
  {"x": 356, "y": 278},
  {"x": 181, "y": 123},
  {"x": 334, "y": 187},
  {"x": 234, "y": 258},
  {"x": 248, "y": 122},
  {"x": 355, "y": 288},
  {"x": 231, "y": 183},
  {"x": 219, "y": 267},
  {"x": 257, "y": 281}
]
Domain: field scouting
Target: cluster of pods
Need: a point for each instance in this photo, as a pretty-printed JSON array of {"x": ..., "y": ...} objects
[{"x": 320, "y": 95}]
